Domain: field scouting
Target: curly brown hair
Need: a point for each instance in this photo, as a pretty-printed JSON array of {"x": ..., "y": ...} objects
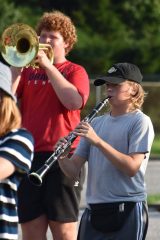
[{"x": 57, "y": 21}]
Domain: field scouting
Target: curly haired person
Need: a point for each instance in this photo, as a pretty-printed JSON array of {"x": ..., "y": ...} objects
[{"x": 51, "y": 99}]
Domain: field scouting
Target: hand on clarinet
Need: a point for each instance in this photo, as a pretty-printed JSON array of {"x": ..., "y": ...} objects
[
  {"x": 84, "y": 129},
  {"x": 61, "y": 145}
]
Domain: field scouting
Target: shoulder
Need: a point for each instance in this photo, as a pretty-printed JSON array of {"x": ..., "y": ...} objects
[
  {"x": 22, "y": 132},
  {"x": 75, "y": 66},
  {"x": 140, "y": 116},
  {"x": 20, "y": 136},
  {"x": 142, "y": 121}
]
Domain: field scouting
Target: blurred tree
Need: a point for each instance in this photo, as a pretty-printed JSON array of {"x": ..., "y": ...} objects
[
  {"x": 109, "y": 30},
  {"x": 10, "y": 14},
  {"x": 143, "y": 18},
  {"x": 126, "y": 32},
  {"x": 47, "y": 5}
]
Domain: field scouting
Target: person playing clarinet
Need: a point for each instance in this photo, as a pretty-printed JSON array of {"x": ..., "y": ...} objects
[{"x": 116, "y": 147}]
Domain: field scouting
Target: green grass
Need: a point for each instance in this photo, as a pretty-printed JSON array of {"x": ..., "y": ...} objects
[
  {"x": 153, "y": 199},
  {"x": 155, "y": 151}
]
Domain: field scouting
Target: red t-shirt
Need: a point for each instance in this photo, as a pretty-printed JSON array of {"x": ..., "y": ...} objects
[{"x": 42, "y": 112}]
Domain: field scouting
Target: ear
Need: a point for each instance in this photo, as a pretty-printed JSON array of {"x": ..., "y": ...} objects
[
  {"x": 133, "y": 91},
  {"x": 66, "y": 45}
]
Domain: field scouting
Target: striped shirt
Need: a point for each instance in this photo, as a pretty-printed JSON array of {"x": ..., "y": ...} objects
[{"x": 17, "y": 147}]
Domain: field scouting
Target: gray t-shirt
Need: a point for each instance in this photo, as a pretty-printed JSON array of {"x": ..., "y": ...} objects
[{"x": 128, "y": 133}]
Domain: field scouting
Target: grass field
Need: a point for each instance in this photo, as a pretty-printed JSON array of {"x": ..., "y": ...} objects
[{"x": 153, "y": 199}]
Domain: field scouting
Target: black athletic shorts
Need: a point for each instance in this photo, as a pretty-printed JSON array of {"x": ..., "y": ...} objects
[{"x": 58, "y": 197}]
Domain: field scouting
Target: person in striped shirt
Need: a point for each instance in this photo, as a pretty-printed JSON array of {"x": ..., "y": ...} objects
[{"x": 16, "y": 153}]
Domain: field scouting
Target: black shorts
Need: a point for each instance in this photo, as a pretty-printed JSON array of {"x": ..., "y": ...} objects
[{"x": 58, "y": 197}]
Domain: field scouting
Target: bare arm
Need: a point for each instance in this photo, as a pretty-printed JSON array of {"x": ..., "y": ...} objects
[
  {"x": 129, "y": 164},
  {"x": 6, "y": 168},
  {"x": 16, "y": 75},
  {"x": 66, "y": 92}
]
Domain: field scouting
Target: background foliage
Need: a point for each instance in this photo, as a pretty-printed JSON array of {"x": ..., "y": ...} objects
[{"x": 109, "y": 31}]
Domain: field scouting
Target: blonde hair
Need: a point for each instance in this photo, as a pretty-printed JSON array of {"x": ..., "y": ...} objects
[
  {"x": 57, "y": 21},
  {"x": 137, "y": 99},
  {"x": 10, "y": 117}
]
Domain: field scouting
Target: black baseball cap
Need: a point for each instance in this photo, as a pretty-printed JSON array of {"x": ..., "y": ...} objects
[{"x": 119, "y": 73}]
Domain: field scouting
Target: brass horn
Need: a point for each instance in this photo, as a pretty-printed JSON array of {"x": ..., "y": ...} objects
[{"x": 20, "y": 45}]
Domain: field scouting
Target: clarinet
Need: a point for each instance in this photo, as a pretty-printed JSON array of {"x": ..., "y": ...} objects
[{"x": 36, "y": 178}]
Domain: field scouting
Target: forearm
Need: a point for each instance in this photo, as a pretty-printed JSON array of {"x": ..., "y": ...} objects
[
  {"x": 129, "y": 164},
  {"x": 16, "y": 75},
  {"x": 66, "y": 92},
  {"x": 6, "y": 168}
]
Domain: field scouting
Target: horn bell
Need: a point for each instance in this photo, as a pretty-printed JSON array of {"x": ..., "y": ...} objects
[{"x": 19, "y": 45}]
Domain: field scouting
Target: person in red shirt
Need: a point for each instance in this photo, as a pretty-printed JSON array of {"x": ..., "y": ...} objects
[{"x": 51, "y": 99}]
